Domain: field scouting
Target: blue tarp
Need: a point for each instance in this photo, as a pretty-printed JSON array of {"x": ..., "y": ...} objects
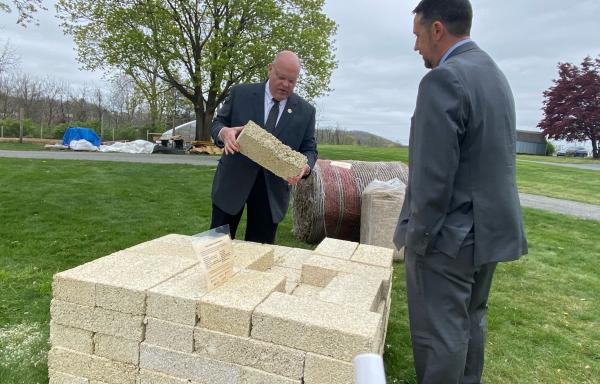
[{"x": 78, "y": 133}]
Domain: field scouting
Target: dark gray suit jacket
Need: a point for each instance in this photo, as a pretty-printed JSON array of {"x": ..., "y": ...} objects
[
  {"x": 236, "y": 173},
  {"x": 462, "y": 183}
]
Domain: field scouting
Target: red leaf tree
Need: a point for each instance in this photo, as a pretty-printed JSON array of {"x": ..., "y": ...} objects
[{"x": 572, "y": 104}]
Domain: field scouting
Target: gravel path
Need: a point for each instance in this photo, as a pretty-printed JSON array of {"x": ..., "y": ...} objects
[{"x": 567, "y": 207}]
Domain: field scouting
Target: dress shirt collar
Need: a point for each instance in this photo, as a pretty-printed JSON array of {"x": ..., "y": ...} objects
[{"x": 452, "y": 48}]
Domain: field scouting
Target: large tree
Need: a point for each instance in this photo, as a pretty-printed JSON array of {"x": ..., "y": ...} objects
[
  {"x": 572, "y": 104},
  {"x": 202, "y": 47},
  {"x": 25, "y": 9}
]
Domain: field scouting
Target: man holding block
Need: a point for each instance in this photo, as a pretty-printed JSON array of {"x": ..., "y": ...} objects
[{"x": 240, "y": 181}]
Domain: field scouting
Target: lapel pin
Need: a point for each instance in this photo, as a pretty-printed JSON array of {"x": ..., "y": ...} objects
[{"x": 289, "y": 110}]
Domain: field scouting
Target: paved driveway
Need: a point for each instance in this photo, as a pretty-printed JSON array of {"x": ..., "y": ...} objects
[{"x": 591, "y": 166}]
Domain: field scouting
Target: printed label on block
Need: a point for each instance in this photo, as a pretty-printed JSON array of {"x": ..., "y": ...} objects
[{"x": 215, "y": 250}]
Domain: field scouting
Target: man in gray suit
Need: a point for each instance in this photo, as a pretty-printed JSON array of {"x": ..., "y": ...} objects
[
  {"x": 461, "y": 215},
  {"x": 241, "y": 182}
]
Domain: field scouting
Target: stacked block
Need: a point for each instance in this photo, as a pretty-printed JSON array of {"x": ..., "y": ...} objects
[
  {"x": 288, "y": 316},
  {"x": 268, "y": 151}
]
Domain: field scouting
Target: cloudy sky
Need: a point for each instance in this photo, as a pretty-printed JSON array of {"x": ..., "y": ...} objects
[{"x": 378, "y": 72}]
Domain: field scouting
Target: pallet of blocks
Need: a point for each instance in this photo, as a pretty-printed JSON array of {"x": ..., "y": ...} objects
[{"x": 143, "y": 315}]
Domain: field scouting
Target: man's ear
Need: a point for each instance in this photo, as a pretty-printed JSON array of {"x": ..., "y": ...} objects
[{"x": 438, "y": 30}]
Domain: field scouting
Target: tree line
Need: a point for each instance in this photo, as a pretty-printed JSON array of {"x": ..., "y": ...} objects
[{"x": 117, "y": 108}]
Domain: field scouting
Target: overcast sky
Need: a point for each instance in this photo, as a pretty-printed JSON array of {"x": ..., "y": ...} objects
[{"x": 375, "y": 84}]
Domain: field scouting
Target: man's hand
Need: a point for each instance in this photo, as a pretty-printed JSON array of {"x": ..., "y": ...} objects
[
  {"x": 228, "y": 136},
  {"x": 296, "y": 179}
]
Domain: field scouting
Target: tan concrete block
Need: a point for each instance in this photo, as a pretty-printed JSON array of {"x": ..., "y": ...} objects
[
  {"x": 64, "y": 378},
  {"x": 228, "y": 308},
  {"x": 176, "y": 300},
  {"x": 317, "y": 273},
  {"x": 360, "y": 292},
  {"x": 275, "y": 359},
  {"x": 279, "y": 251},
  {"x": 290, "y": 274},
  {"x": 254, "y": 376},
  {"x": 151, "y": 377},
  {"x": 340, "y": 249},
  {"x": 307, "y": 290},
  {"x": 116, "y": 348},
  {"x": 188, "y": 366},
  {"x": 265, "y": 149},
  {"x": 324, "y": 370},
  {"x": 248, "y": 255},
  {"x": 387, "y": 303},
  {"x": 121, "y": 299},
  {"x": 373, "y": 255},
  {"x": 290, "y": 286},
  {"x": 329, "y": 329},
  {"x": 71, "y": 338},
  {"x": 93, "y": 367},
  {"x": 320, "y": 270},
  {"x": 294, "y": 258},
  {"x": 177, "y": 337},
  {"x": 97, "y": 320},
  {"x": 73, "y": 290},
  {"x": 122, "y": 277}
]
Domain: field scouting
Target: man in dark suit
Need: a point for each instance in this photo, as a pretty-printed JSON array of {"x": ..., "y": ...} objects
[
  {"x": 241, "y": 182},
  {"x": 461, "y": 215}
]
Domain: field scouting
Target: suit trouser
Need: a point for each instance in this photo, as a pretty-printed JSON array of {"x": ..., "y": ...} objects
[
  {"x": 259, "y": 225},
  {"x": 447, "y": 303}
]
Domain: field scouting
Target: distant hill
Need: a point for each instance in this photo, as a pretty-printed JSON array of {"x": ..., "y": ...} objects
[{"x": 340, "y": 136}]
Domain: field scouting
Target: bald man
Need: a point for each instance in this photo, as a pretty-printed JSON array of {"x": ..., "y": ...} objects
[{"x": 239, "y": 182}]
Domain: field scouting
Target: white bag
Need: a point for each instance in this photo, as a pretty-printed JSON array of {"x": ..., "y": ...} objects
[{"x": 82, "y": 145}]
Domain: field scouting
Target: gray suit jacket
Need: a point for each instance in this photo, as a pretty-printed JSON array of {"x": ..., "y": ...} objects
[
  {"x": 236, "y": 173},
  {"x": 462, "y": 183}
]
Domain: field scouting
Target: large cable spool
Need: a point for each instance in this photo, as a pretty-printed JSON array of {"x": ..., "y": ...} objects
[{"x": 328, "y": 202}]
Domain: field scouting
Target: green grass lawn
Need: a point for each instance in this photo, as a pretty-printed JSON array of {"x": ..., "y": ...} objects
[
  {"x": 55, "y": 215},
  {"x": 560, "y": 182},
  {"x": 560, "y": 159},
  {"x": 21, "y": 147}
]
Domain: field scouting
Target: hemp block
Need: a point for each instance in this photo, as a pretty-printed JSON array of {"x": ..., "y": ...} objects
[
  {"x": 320, "y": 270},
  {"x": 272, "y": 358},
  {"x": 329, "y": 329},
  {"x": 151, "y": 377},
  {"x": 360, "y": 292},
  {"x": 307, "y": 290},
  {"x": 97, "y": 319},
  {"x": 294, "y": 258},
  {"x": 177, "y": 299},
  {"x": 121, "y": 278},
  {"x": 279, "y": 251},
  {"x": 188, "y": 366},
  {"x": 170, "y": 335},
  {"x": 269, "y": 152},
  {"x": 325, "y": 370},
  {"x": 290, "y": 286},
  {"x": 289, "y": 273},
  {"x": 373, "y": 255},
  {"x": 94, "y": 368},
  {"x": 254, "y": 376},
  {"x": 228, "y": 308},
  {"x": 63, "y": 378},
  {"x": 73, "y": 290},
  {"x": 340, "y": 249},
  {"x": 116, "y": 348},
  {"x": 248, "y": 255},
  {"x": 71, "y": 338}
]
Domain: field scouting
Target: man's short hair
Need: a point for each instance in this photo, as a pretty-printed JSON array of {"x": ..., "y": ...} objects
[{"x": 456, "y": 15}]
